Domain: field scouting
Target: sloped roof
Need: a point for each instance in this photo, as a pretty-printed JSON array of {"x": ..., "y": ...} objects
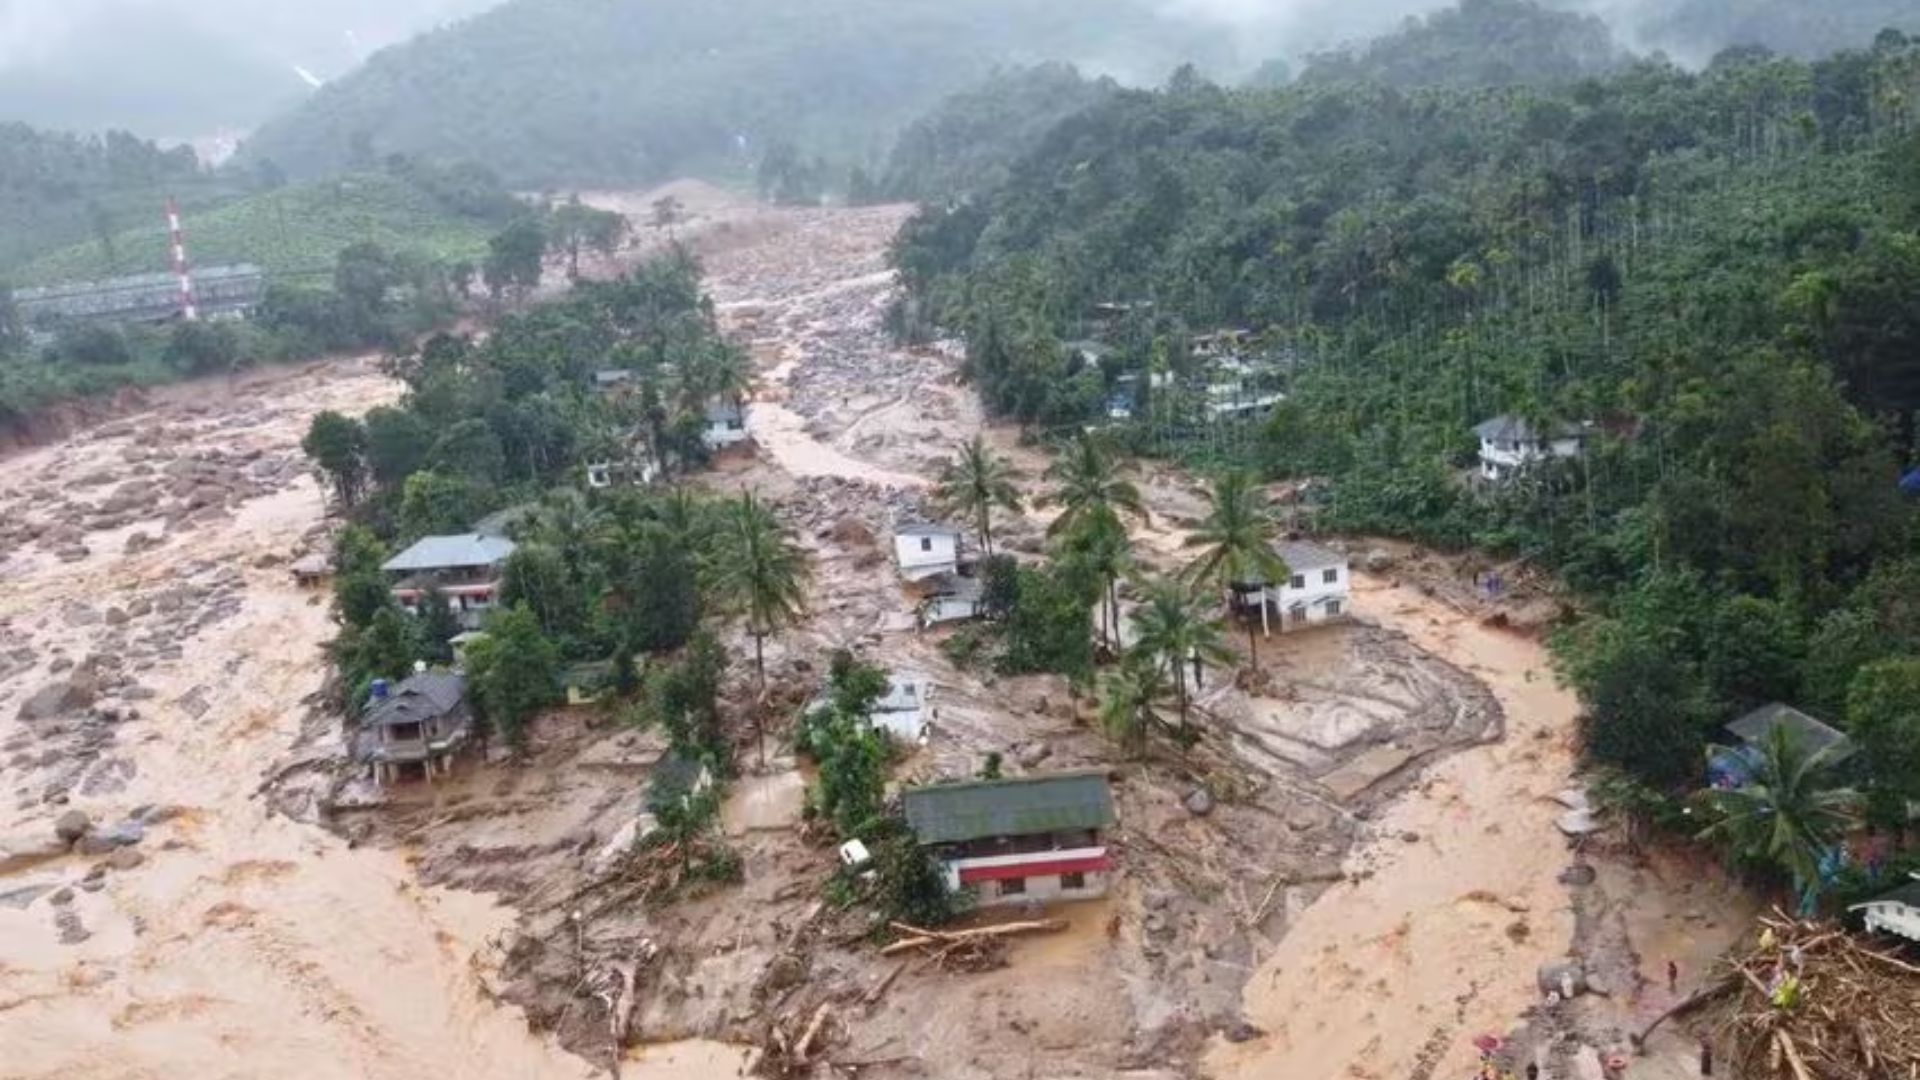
[
  {"x": 946, "y": 813},
  {"x": 1811, "y": 734},
  {"x": 925, "y": 530},
  {"x": 1908, "y": 894},
  {"x": 418, "y": 699},
  {"x": 1302, "y": 557},
  {"x": 450, "y": 552},
  {"x": 1510, "y": 428}
]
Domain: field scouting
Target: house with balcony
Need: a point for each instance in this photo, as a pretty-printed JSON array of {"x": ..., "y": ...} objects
[
  {"x": 725, "y": 424},
  {"x": 466, "y": 569},
  {"x": 1510, "y": 446},
  {"x": 412, "y": 731},
  {"x": 923, "y": 552},
  {"x": 1010, "y": 841}
]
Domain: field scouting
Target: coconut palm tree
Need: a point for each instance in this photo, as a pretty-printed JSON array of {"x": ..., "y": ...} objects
[
  {"x": 762, "y": 574},
  {"x": 1098, "y": 549},
  {"x": 976, "y": 482},
  {"x": 761, "y": 571},
  {"x": 1088, "y": 480},
  {"x": 1237, "y": 539},
  {"x": 1129, "y": 696},
  {"x": 1792, "y": 812},
  {"x": 1173, "y": 626}
]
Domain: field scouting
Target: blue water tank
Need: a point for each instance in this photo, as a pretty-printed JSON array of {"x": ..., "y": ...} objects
[{"x": 379, "y": 690}]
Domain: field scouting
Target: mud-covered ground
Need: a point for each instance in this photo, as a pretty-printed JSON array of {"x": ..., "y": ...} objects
[{"x": 1376, "y": 879}]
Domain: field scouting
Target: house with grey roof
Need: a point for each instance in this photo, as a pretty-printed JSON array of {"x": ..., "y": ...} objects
[
  {"x": 1009, "y": 841},
  {"x": 466, "y": 569},
  {"x": 1510, "y": 445},
  {"x": 1756, "y": 728},
  {"x": 953, "y": 599},
  {"x": 412, "y": 731}
]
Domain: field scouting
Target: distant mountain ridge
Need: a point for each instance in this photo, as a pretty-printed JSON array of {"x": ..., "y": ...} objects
[{"x": 581, "y": 91}]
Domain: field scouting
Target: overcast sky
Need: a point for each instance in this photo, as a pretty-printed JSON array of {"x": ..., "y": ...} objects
[{"x": 310, "y": 33}]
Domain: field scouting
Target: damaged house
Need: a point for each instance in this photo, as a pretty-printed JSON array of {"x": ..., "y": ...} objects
[
  {"x": 412, "y": 731},
  {"x": 1009, "y": 841}
]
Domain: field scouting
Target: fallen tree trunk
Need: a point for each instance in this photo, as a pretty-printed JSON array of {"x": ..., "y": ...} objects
[{"x": 918, "y": 938}]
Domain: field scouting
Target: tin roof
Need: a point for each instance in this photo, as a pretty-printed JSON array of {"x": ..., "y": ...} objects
[
  {"x": 420, "y": 698},
  {"x": 450, "y": 553},
  {"x": 1812, "y": 735},
  {"x": 1907, "y": 895},
  {"x": 946, "y": 813},
  {"x": 1302, "y": 557}
]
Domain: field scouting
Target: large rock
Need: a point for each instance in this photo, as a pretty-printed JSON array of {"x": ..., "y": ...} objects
[
  {"x": 1199, "y": 802},
  {"x": 72, "y": 825},
  {"x": 25, "y": 852},
  {"x": 1563, "y": 977},
  {"x": 57, "y": 698}
]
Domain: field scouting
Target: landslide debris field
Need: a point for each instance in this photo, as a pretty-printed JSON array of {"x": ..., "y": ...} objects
[{"x": 159, "y": 688}]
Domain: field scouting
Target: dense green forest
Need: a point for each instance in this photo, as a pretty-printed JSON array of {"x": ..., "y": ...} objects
[
  {"x": 586, "y": 91},
  {"x": 1716, "y": 270},
  {"x": 58, "y": 189},
  {"x": 968, "y": 142},
  {"x": 1478, "y": 43}
]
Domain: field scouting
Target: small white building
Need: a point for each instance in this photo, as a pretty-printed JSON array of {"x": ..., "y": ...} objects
[
  {"x": 726, "y": 425},
  {"x": 1509, "y": 445},
  {"x": 1318, "y": 588},
  {"x": 466, "y": 569},
  {"x": 1897, "y": 912},
  {"x": 638, "y": 470},
  {"x": 905, "y": 711},
  {"x": 926, "y": 551}
]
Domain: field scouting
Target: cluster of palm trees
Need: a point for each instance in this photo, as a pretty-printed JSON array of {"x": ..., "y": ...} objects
[{"x": 1177, "y": 632}]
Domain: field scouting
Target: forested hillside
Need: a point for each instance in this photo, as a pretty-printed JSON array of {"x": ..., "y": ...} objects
[
  {"x": 58, "y": 189},
  {"x": 970, "y": 140},
  {"x": 1716, "y": 271},
  {"x": 1479, "y": 43},
  {"x": 606, "y": 91}
]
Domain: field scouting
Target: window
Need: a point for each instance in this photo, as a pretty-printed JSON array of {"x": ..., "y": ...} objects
[
  {"x": 1073, "y": 880},
  {"x": 1299, "y": 581},
  {"x": 926, "y": 543},
  {"x": 403, "y": 733},
  {"x": 1330, "y": 577},
  {"x": 1013, "y": 886},
  {"x": 1333, "y": 608}
]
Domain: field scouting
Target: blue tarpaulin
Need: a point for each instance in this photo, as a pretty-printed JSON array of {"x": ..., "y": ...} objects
[{"x": 1910, "y": 483}]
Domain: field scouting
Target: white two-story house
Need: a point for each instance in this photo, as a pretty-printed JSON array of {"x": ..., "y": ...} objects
[
  {"x": 466, "y": 569},
  {"x": 1318, "y": 588},
  {"x": 1509, "y": 445}
]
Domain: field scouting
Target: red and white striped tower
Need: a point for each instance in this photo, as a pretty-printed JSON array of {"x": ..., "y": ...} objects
[{"x": 188, "y": 310}]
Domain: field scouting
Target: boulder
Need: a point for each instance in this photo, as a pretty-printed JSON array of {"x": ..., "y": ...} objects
[
  {"x": 25, "y": 852},
  {"x": 125, "y": 834},
  {"x": 117, "y": 617},
  {"x": 57, "y": 698},
  {"x": 1199, "y": 802},
  {"x": 72, "y": 825},
  {"x": 125, "y": 859},
  {"x": 1378, "y": 561},
  {"x": 1032, "y": 755}
]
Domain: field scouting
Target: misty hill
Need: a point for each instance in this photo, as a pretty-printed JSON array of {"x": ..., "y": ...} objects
[
  {"x": 1695, "y": 29},
  {"x": 609, "y": 91},
  {"x": 969, "y": 140},
  {"x": 1479, "y": 43},
  {"x": 185, "y": 68}
]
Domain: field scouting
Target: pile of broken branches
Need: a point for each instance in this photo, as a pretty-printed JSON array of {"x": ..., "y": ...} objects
[
  {"x": 979, "y": 949},
  {"x": 1812, "y": 1001}
]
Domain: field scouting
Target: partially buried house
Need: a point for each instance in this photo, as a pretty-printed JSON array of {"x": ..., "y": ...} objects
[
  {"x": 412, "y": 731},
  {"x": 1010, "y": 841}
]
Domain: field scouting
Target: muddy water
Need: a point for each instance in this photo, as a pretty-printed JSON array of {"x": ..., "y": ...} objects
[
  {"x": 1439, "y": 940},
  {"x": 781, "y": 434},
  {"x": 247, "y": 944}
]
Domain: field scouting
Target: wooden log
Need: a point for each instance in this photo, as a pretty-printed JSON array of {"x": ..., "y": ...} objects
[
  {"x": 805, "y": 1045},
  {"x": 1793, "y": 1056},
  {"x": 1037, "y": 926},
  {"x": 880, "y": 988}
]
